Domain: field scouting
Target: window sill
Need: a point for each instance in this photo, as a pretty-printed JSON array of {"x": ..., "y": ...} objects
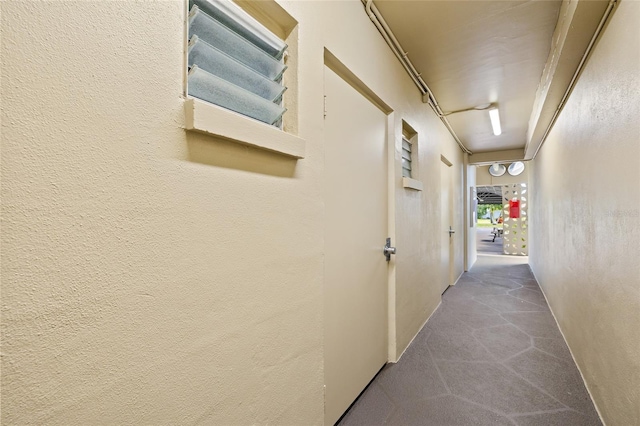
[
  {"x": 412, "y": 184},
  {"x": 212, "y": 120}
]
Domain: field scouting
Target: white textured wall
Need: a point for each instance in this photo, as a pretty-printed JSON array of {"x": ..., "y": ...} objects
[
  {"x": 150, "y": 276},
  {"x": 585, "y": 220},
  {"x": 418, "y": 232}
]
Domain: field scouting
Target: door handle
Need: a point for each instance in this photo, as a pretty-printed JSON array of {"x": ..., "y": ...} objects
[
  {"x": 451, "y": 231},
  {"x": 388, "y": 250}
]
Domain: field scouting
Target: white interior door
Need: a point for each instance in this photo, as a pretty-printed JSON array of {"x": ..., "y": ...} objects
[
  {"x": 356, "y": 228},
  {"x": 446, "y": 226}
]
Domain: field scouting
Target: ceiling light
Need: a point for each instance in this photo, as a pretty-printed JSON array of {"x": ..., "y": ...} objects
[
  {"x": 494, "y": 115},
  {"x": 516, "y": 168},
  {"x": 497, "y": 170}
]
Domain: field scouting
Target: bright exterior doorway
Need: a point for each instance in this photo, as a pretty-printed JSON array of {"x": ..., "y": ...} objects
[
  {"x": 489, "y": 225},
  {"x": 502, "y": 219}
]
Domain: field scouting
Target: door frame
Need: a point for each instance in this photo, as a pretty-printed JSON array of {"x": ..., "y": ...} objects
[
  {"x": 338, "y": 67},
  {"x": 444, "y": 162}
]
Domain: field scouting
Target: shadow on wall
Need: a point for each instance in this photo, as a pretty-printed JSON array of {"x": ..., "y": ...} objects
[{"x": 218, "y": 152}]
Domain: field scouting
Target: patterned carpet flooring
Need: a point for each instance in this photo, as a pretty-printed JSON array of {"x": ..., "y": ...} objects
[{"x": 491, "y": 354}]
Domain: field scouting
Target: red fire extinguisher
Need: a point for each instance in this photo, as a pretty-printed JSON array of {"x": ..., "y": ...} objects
[{"x": 514, "y": 209}]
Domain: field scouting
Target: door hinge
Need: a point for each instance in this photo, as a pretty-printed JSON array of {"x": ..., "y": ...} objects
[{"x": 325, "y": 106}]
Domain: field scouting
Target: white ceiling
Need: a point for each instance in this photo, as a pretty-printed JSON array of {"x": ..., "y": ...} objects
[{"x": 475, "y": 52}]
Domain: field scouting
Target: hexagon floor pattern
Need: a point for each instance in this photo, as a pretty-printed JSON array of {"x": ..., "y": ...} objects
[{"x": 491, "y": 354}]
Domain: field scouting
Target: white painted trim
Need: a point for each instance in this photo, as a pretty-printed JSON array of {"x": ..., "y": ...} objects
[
  {"x": 445, "y": 160},
  {"x": 412, "y": 184},
  {"x": 213, "y": 120},
  {"x": 392, "y": 339}
]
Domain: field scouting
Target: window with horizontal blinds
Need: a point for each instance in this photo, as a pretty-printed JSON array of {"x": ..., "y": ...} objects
[
  {"x": 234, "y": 61},
  {"x": 406, "y": 158}
]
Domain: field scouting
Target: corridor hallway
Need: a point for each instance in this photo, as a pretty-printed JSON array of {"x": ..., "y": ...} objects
[
  {"x": 485, "y": 243},
  {"x": 491, "y": 354}
]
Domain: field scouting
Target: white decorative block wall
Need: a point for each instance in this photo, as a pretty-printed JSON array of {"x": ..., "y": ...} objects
[{"x": 515, "y": 239}]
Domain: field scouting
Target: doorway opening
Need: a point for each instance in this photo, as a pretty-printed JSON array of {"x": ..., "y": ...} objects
[
  {"x": 490, "y": 220},
  {"x": 355, "y": 274},
  {"x": 502, "y": 219}
]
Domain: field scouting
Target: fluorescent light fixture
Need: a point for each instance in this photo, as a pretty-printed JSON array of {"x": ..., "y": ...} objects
[{"x": 494, "y": 115}]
